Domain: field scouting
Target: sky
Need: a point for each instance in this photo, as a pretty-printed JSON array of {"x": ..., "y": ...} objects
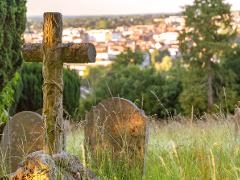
[{"x": 109, "y": 7}]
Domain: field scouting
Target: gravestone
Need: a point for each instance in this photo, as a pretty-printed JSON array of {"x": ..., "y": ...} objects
[
  {"x": 22, "y": 135},
  {"x": 118, "y": 127}
]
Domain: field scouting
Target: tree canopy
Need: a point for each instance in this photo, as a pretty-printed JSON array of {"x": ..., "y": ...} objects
[
  {"x": 13, "y": 19},
  {"x": 207, "y": 36}
]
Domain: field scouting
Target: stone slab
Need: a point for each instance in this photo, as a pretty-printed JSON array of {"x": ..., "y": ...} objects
[
  {"x": 119, "y": 126},
  {"x": 23, "y": 134}
]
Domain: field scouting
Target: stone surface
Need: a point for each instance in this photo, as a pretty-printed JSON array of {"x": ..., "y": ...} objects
[
  {"x": 39, "y": 165},
  {"x": 22, "y": 135},
  {"x": 66, "y": 124},
  {"x": 237, "y": 120},
  {"x": 116, "y": 126},
  {"x": 1, "y": 130}
]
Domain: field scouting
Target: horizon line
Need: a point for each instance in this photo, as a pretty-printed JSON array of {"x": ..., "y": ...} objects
[{"x": 113, "y": 14}]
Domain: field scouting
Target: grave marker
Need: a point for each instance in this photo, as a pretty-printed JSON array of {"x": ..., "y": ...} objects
[
  {"x": 53, "y": 54},
  {"x": 117, "y": 126},
  {"x": 22, "y": 135}
]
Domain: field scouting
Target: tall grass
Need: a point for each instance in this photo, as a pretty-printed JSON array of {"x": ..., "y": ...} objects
[{"x": 201, "y": 150}]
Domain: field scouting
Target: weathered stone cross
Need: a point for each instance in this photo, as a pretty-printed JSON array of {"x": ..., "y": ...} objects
[{"x": 53, "y": 53}]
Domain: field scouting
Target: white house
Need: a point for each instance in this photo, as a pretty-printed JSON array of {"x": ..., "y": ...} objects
[{"x": 102, "y": 35}]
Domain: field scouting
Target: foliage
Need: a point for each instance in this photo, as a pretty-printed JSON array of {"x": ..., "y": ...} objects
[
  {"x": 231, "y": 63},
  {"x": 193, "y": 92},
  {"x": 164, "y": 65},
  {"x": 226, "y": 90},
  {"x": 108, "y": 22},
  {"x": 159, "y": 55},
  {"x": 150, "y": 90},
  {"x": 71, "y": 92},
  {"x": 161, "y": 59},
  {"x": 9, "y": 96},
  {"x": 31, "y": 97},
  {"x": 129, "y": 57},
  {"x": 207, "y": 37},
  {"x": 13, "y": 19},
  {"x": 178, "y": 151},
  {"x": 180, "y": 89}
]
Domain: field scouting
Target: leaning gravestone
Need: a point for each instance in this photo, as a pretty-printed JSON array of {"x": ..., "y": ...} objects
[
  {"x": 22, "y": 135},
  {"x": 118, "y": 127}
]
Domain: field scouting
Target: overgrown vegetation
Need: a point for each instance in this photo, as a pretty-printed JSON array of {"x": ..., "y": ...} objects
[{"x": 178, "y": 150}]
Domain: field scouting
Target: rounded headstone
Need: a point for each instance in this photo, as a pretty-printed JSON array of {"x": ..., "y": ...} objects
[
  {"x": 23, "y": 134},
  {"x": 119, "y": 126}
]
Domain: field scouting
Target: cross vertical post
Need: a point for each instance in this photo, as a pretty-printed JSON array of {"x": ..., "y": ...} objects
[
  {"x": 53, "y": 83},
  {"x": 53, "y": 54}
]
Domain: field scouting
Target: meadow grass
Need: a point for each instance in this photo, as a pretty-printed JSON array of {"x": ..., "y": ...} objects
[{"x": 200, "y": 150}]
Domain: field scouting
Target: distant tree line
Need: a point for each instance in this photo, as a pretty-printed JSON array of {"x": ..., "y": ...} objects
[{"x": 102, "y": 22}]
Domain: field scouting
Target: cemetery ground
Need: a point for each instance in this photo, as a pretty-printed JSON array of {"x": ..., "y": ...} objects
[{"x": 177, "y": 150}]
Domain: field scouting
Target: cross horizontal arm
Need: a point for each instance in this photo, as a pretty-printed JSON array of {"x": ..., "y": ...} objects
[
  {"x": 78, "y": 53},
  {"x": 70, "y": 52},
  {"x": 32, "y": 52}
]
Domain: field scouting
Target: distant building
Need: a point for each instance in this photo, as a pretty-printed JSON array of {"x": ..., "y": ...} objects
[
  {"x": 71, "y": 35},
  {"x": 166, "y": 38},
  {"x": 146, "y": 59},
  {"x": 116, "y": 36},
  {"x": 102, "y": 35}
]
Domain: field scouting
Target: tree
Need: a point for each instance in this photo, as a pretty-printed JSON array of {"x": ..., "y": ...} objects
[
  {"x": 232, "y": 63},
  {"x": 129, "y": 57},
  {"x": 13, "y": 19},
  {"x": 207, "y": 36}
]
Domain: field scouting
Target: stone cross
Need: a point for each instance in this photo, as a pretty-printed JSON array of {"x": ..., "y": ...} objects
[{"x": 53, "y": 54}]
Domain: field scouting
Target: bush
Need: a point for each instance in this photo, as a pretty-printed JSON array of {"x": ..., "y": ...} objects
[
  {"x": 9, "y": 97},
  {"x": 152, "y": 91},
  {"x": 71, "y": 93},
  {"x": 13, "y": 19},
  {"x": 31, "y": 97}
]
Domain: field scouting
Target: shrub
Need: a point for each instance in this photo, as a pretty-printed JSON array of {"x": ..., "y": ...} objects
[
  {"x": 13, "y": 19},
  {"x": 9, "y": 97},
  {"x": 31, "y": 97},
  {"x": 152, "y": 91}
]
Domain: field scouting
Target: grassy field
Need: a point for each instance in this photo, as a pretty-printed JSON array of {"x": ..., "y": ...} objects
[{"x": 201, "y": 150}]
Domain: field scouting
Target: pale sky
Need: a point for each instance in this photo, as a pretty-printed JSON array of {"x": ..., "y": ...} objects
[{"x": 108, "y": 7}]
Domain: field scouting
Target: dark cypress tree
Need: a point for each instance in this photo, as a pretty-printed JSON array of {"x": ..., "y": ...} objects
[{"x": 13, "y": 20}]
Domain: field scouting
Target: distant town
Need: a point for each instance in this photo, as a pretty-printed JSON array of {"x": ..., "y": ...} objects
[{"x": 113, "y": 35}]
